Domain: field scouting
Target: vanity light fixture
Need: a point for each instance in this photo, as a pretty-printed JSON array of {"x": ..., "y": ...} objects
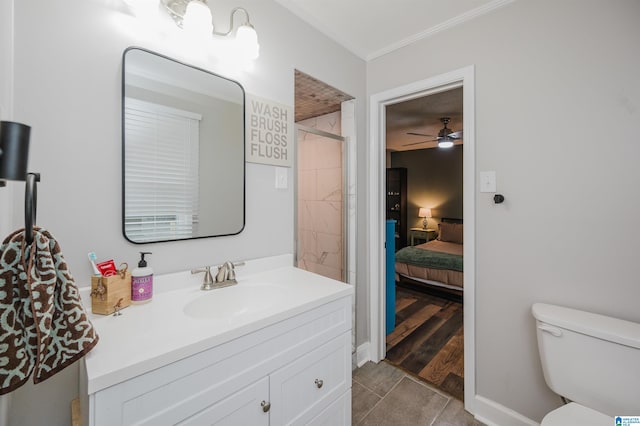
[
  {"x": 195, "y": 17},
  {"x": 425, "y": 213}
]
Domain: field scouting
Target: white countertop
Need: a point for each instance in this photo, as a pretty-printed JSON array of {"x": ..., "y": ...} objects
[{"x": 158, "y": 333}]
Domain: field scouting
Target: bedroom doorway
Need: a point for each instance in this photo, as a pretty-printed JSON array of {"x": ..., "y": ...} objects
[
  {"x": 464, "y": 79},
  {"x": 424, "y": 195}
]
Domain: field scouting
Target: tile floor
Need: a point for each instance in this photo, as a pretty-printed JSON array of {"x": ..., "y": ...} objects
[{"x": 384, "y": 395}]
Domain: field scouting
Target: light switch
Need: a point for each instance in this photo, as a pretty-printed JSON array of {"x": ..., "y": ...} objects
[
  {"x": 488, "y": 181},
  {"x": 281, "y": 178}
]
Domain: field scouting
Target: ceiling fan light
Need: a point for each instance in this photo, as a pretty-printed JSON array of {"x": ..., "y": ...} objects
[{"x": 445, "y": 142}]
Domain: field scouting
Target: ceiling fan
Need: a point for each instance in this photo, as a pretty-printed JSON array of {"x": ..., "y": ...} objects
[{"x": 445, "y": 137}]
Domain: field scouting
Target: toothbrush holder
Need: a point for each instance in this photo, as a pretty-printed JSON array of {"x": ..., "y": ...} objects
[{"x": 110, "y": 294}]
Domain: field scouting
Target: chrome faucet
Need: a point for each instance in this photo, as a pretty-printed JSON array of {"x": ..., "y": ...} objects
[{"x": 225, "y": 276}]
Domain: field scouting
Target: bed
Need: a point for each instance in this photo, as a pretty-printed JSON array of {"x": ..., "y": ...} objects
[{"x": 436, "y": 264}]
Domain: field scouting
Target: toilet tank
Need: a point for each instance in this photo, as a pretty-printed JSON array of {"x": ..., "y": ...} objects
[{"x": 591, "y": 359}]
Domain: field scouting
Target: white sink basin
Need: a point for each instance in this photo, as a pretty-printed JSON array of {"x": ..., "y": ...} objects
[{"x": 241, "y": 299}]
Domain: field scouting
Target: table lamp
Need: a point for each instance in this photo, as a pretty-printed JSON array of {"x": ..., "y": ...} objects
[{"x": 425, "y": 213}]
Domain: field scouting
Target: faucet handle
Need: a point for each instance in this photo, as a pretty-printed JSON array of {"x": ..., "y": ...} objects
[
  {"x": 231, "y": 272},
  {"x": 208, "y": 279},
  {"x": 232, "y": 269}
]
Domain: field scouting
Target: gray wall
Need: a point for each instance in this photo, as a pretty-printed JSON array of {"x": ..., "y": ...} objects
[
  {"x": 553, "y": 80},
  {"x": 67, "y": 87},
  {"x": 434, "y": 180}
]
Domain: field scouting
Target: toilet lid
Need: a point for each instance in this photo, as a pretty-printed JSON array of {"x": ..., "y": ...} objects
[{"x": 575, "y": 414}]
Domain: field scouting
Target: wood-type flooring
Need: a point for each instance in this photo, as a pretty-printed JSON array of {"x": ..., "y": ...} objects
[{"x": 428, "y": 339}]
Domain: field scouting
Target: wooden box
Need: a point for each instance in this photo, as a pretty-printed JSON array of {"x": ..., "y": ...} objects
[{"x": 110, "y": 294}]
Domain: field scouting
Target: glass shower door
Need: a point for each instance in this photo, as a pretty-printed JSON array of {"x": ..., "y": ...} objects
[{"x": 321, "y": 213}]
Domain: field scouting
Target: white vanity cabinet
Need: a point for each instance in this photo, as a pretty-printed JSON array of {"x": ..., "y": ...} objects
[{"x": 296, "y": 370}]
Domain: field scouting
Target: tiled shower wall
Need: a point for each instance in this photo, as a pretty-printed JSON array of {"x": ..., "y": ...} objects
[{"x": 320, "y": 198}]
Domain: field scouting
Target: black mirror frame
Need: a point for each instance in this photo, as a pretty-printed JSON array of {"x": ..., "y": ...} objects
[{"x": 122, "y": 120}]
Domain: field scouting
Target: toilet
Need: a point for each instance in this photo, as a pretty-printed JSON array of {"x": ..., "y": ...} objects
[{"x": 590, "y": 359}]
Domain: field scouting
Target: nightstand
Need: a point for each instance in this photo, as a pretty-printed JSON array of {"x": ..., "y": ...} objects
[{"x": 416, "y": 234}]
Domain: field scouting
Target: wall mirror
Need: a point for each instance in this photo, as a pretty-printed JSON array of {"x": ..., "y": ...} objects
[{"x": 183, "y": 150}]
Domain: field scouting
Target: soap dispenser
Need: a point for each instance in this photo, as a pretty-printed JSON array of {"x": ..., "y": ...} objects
[{"x": 142, "y": 281}]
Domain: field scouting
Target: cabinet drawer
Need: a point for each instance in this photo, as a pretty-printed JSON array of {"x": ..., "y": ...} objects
[
  {"x": 241, "y": 408},
  {"x": 336, "y": 414},
  {"x": 301, "y": 390}
]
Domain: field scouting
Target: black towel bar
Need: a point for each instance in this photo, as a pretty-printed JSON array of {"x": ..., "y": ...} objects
[{"x": 30, "y": 204}]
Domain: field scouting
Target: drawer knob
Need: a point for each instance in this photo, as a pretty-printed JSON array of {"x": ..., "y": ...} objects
[
  {"x": 319, "y": 383},
  {"x": 266, "y": 406}
]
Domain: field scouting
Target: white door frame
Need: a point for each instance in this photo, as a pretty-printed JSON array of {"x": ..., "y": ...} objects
[{"x": 377, "y": 157}]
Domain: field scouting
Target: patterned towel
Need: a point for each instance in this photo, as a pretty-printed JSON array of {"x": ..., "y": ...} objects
[{"x": 43, "y": 326}]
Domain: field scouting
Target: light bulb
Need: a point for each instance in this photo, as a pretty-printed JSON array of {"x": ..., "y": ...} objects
[
  {"x": 247, "y": 41},
  {"x": 197, "y": 19},
  {"x": 445, "y": 142}
]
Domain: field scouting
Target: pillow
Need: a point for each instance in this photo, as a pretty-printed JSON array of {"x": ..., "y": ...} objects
[{"x": 451, "y": 232}]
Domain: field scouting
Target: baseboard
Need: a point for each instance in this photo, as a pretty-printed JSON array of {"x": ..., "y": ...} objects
[
  {"x": 493, "y": 414},
  {"x": 363, "y": 354}
]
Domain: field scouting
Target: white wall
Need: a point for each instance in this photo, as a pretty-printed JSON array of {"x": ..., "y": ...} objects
[
  {"x": 6, "y": 106},
  {"x": 68, "y": 62},
  {"x": 6, "y": 103},
  {"x": 558, "y": 119}
]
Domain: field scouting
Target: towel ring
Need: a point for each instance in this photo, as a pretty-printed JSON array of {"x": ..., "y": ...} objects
[{"x": 30, "y": 204}]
